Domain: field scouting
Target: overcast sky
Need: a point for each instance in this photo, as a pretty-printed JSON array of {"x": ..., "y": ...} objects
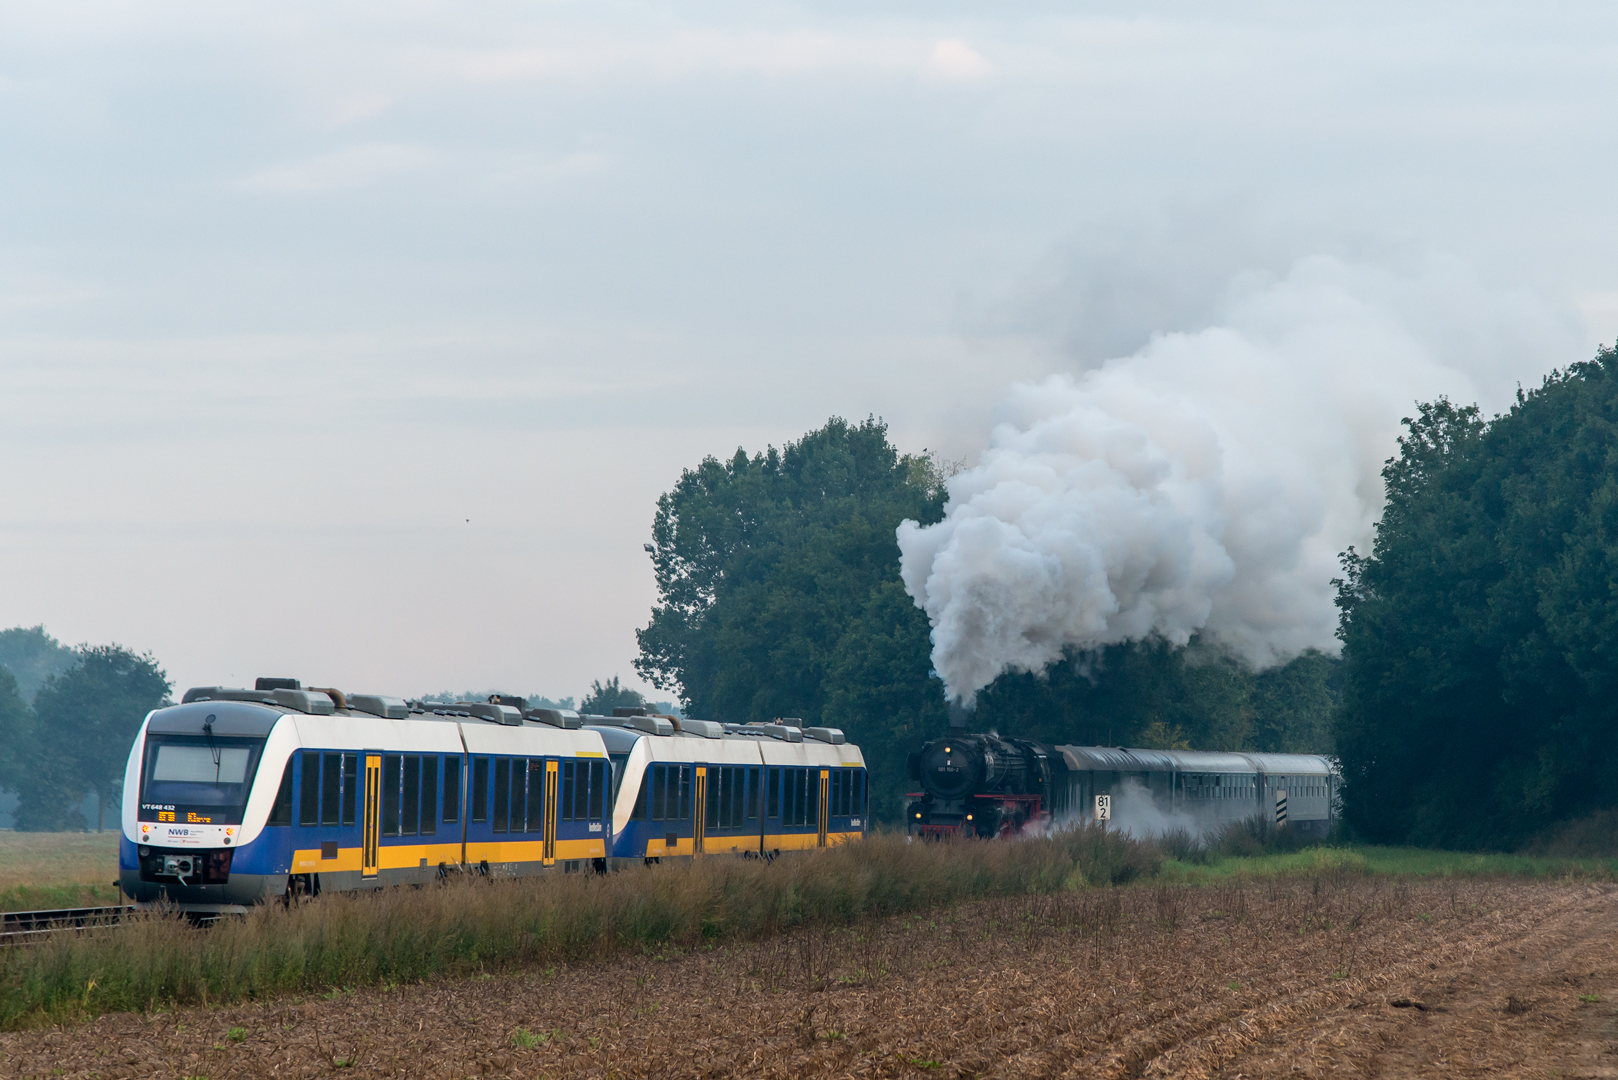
[{"x": 356, "y": 342}]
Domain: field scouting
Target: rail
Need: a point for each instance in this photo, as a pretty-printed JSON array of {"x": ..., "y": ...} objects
[{"x": 21, "y": 927}]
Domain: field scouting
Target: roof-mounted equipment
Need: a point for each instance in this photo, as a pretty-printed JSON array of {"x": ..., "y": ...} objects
[
  {"x": 225, "y": 693},
  {"x": 631, "y": 710},
  {"x": 825, "y": 734},
  {"x": 784, "y": 732},
  {"x": 495, "y": 714},
  {"x": 561, "y": 718},
  {"x": 706, "y": 729},
  {"x": 277, "y": 684},
  {"x": 389, "y": 708},
  {"x": 652, "y": 725},
  {"x": 312, "y": 702}
]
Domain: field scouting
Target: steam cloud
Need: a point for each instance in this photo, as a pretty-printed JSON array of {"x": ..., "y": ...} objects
[{"x": 1208, "y": 482}]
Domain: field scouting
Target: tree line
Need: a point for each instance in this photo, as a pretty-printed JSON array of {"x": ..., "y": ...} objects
[{"x": 67, "y": 719}]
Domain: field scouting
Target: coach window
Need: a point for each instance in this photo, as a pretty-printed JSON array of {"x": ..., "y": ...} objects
[
  {"x": 685, "y": 793},
  {"x": 452, "y": 789},
  {"x": 309, "y": 792},
  {"x": 658, "y": 785},
  {"x": 411, "y": 815},
  {"x": 812, "y": 783},
  {"x": 331, "y": 787},
  {"x": 519, "y": 793},
  {"x": 639, "y": 813},
  {"x": 568, "y": 791},
  {"x": 598, "y": 790},
  {"x": 281, "y": 809},
  {"x": 773, "y": 810},
  {"x": 480, "y": 790},
  {"x": 714, "y": 787},
  {"x": 429, "y": 795},
  {"x": 752, "y": 793},
  {"x": 536, "y": 795},
  {"x": 502, "y": 794},
  {"x": 351, "y": 786},
  {"x": 391, "y": 768}
]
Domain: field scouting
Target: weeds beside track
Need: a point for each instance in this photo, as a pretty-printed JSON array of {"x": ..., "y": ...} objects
[{"x": 399, "y": 936}]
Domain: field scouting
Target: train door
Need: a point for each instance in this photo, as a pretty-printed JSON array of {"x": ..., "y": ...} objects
[
  {"x": 699, "y": 817},
  {"x": 372, "y": 832},
  {"x": 549, "y": 825},
  {"x": 825, "y": 807}
]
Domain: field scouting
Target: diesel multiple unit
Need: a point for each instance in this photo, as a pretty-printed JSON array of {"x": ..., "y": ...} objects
[{"x": 234, "y": 796}]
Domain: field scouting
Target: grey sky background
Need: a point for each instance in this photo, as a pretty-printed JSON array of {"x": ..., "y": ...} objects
[{"x": 356, "y": 342}]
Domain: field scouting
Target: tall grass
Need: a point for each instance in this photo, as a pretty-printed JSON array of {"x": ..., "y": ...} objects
[{"x": 405, "y": 935}]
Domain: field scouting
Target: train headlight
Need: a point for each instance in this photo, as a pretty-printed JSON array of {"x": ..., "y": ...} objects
[
  {"x": 918, "y": 817},
  {"x": 969, "y": 817},
  {"x": 145, "y": 851}
]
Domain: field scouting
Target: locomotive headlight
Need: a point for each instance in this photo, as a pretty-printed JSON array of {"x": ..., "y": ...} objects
[
  {"x": 969, "y": 817},
  {"x": 918, "y": 816}
]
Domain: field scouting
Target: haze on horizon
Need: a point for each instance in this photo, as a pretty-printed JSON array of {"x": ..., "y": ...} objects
[{"x": 357, "y": 343}]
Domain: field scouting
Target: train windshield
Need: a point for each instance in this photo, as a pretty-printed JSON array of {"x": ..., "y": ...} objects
[{"x": 192, "y": 778}]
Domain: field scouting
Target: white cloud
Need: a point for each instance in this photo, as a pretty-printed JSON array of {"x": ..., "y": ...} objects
[
  {"x": 350, "y": 167},
  {"x": 955, "y": 59}
]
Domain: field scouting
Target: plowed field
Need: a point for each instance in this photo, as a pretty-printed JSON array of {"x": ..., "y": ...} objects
[{"x": 1337, "y": 976}]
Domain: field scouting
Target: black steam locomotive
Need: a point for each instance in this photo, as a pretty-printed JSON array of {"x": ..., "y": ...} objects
[{"x": 988, "y": 786}]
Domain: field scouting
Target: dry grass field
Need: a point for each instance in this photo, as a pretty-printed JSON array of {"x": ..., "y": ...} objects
[
  {"x": 67, "y": 869},
  {"x": 1337, "y": 974}
]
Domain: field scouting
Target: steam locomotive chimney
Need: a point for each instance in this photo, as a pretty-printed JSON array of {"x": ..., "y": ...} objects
[{"x": 957, "y": 716}]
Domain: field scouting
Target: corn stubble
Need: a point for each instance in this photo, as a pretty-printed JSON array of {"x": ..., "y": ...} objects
[
  {"x": 1265, "y": 978},
  {"x": 469, "y": 925}
]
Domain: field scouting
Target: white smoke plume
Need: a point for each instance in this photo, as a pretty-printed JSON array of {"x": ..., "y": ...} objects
[{"x": 1208, "y": 482}]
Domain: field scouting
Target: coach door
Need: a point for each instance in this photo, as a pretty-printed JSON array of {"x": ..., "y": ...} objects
[
  {"x": 825, "y": 805},
  {"x": 549, "y": 846},
  {"x": 699, "y": 812},
  {"x": 372, "y": 840}
]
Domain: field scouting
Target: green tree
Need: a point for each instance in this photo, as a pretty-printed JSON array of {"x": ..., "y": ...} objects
[
  {"x": 1292, "y": 706},
  {"x": 605, "y": 697},
  {"x": 779, "y": 593},
  {"x": 33, "y": 656},
  {"x": 85, "y": 722},
  {"x": 16, "y": 732},
  {"x": 1480, "y": 689}
]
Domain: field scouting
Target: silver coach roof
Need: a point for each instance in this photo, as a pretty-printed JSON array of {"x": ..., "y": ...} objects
[{"x": 1130, "y": 759}]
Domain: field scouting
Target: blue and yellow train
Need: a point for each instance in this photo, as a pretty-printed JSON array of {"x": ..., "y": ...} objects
[{"x": 235, "y": 796}]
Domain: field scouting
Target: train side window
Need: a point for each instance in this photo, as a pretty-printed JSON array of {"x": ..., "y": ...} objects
[
  {"x": 502, "y": 794},
  {"x": 452, "y": 789},
  {"x": 736, "y": 788},
  {"x": 568, "y": 791},
  {"x": 410, "y": 815},
  {"x": 684, "y": 783},
  {"x": 331, "y": 787},
  {"x": 598, "y": 790},
  {"x": 773, "y": 810},
  {"x": 712, "y": 790},
  {"x": 639, "y": 813},
  {"x": 536, "y": 796},
  {"x": 480, "y": 790},
  {"x": 813, "y": 784},
  {"x": 659, "y": 789},
  {"x": 391, "y": 769},
  {"x": 351, "y": 786},
  {"x": 281, "y": 809},
  {"x": 429, "y": 795},
  {"x": 309, "y": 789},
  {"x": 865, "y": 792},
  {"x": 519, "y": 794}
]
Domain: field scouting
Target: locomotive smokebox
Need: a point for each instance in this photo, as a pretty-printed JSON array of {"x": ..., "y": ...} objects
[{"x": 951, "y": 768}]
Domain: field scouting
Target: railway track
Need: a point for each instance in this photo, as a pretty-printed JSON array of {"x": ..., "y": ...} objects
[{"x": 22, "y": 927}]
